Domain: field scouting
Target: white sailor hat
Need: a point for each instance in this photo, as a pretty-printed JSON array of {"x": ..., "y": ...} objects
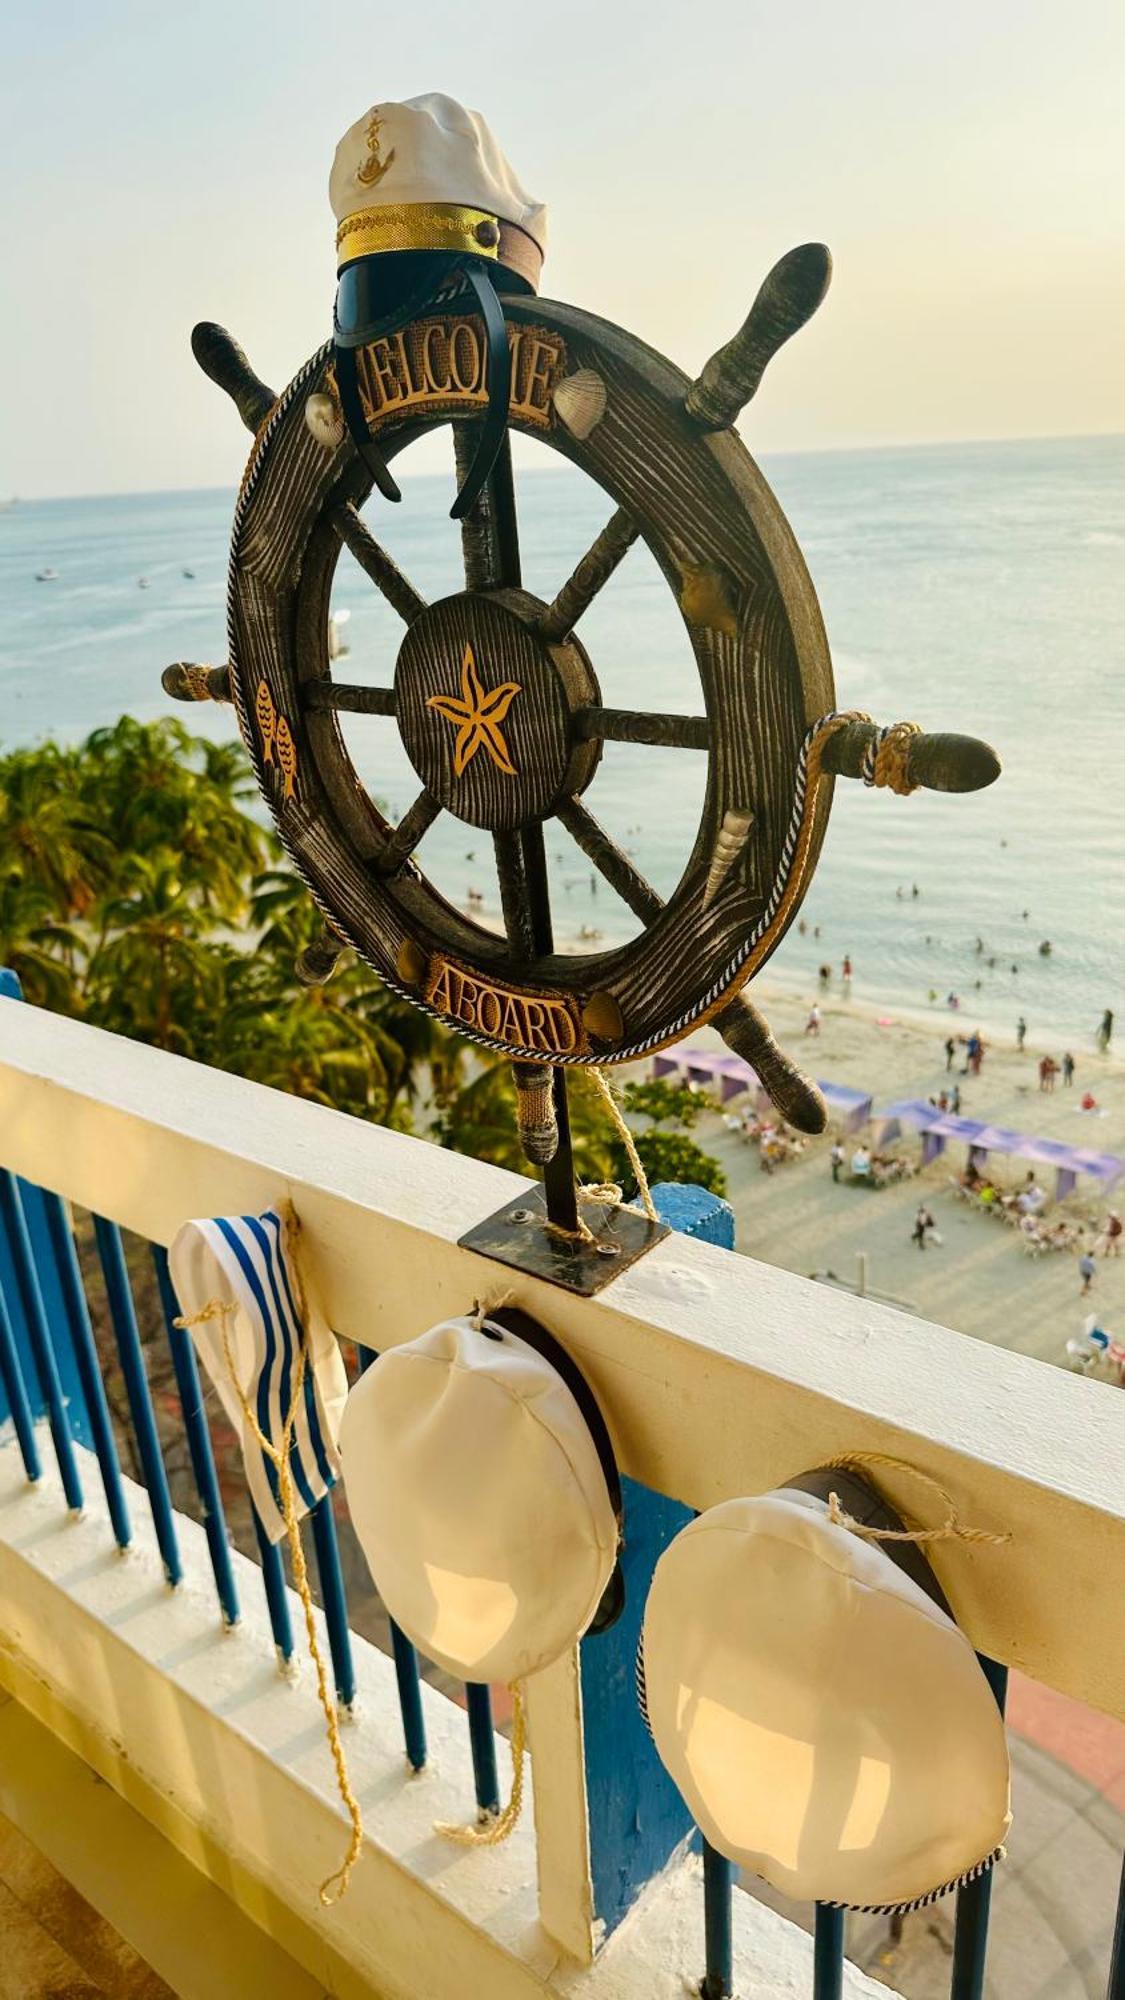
[
  {"x": 483, "y": 1490},
  {"x": 825, "y": 1720},
  {"x": 427, "y": 206}
]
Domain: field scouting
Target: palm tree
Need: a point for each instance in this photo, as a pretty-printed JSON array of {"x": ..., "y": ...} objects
[
  {"x": 155, "y": 975},
  {"x": 49, "y": 838}
]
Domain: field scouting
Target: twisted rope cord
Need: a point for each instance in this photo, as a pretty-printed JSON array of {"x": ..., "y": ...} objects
[
  {"x": 950, "y": 1530},
  {"x": 886, "y": 760},
  {"x": 607, "y": 1194},
  {"x": 496, "y": 1827},
  {"x": 279, "y": 1457}
]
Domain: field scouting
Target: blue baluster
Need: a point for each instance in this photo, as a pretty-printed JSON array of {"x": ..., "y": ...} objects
[
  {"x": 405, "y": 1658},
  {"x": 14, "y": 1224},
  {"x": 199, "y": 1441},
  {"x": 974, "y": 1901},
  {"x": 718, "y": 1885},
  {"x": 124, "y": 1318},
  {"x": 11, "y": 1373},
  {"x": 333, "y": 1599},
  {"x": 61, "y": 1238},
  {"x": 482, "y": 1738},
  {"x": 828, "y": 1953},
  {"x": 277, "y": 1602}
]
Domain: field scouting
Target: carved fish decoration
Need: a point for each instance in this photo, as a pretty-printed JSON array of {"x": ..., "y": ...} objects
[
  {"x": 266, "y": 715},
  {"x": 286, "y": 756},
  {"x": 729, "y": 843}
]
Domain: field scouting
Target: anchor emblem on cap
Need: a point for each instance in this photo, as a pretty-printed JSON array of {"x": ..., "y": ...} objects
[
  {"x": 373, "y": 167},
  {"x": 477, "y": 715}
]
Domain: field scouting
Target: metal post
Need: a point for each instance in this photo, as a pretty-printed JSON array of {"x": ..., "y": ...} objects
[
  {"x": 14, "y": 1223},
  {"x": 73, "y": 1292},
  {"x": 405, "y": 1657},
  {"x": 11, "y": 1373},
  {"x": 718, "y": 1886},
  {"x": 483, "y": 1740},
  {"x": 277, "y": 1602},
  {"x": 974, "y": 1900},
  {"x": 333, "y": 1599},
  {"x": 123, "y": 1314},
  {"x": 828, "y": 1953},
  {"x": 199, "y": 1441}
]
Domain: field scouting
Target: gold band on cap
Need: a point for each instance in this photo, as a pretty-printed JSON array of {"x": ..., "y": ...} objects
[{"x": 417, "y": 225}]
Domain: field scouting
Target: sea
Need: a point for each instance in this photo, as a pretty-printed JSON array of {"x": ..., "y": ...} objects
[{"x": 971, "y": 587}]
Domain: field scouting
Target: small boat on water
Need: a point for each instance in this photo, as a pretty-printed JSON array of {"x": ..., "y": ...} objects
[{"x": 47, "y": 575}]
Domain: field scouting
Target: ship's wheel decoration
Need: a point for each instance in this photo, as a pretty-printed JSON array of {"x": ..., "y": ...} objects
[{"x": 496, "y": 699}]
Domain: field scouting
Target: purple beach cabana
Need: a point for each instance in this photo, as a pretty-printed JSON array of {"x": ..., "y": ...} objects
[
  {"x": 938, "y": 1127},
  {"x": 729, "y": 1076}
]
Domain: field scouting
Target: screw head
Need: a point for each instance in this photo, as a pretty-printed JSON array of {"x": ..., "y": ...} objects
[{"x": 487, "y": 234}]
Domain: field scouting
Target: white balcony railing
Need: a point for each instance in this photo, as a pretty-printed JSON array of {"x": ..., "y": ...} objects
[{"x": 719, "y": 1376}]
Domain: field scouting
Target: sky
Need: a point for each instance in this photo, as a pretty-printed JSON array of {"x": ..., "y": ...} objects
[{"x": 965, "y": 162}]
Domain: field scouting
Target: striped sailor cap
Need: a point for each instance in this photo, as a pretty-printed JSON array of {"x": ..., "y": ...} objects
[{"x": 246, "y": 1264}]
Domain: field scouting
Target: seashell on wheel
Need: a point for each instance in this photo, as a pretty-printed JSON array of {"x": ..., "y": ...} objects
[
  {"x": 729, "y": 843},
  {"x": 322, "y": 415},
  {"x": 580, "y": 400}
]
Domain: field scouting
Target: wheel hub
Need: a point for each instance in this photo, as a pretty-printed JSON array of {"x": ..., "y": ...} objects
[{"x": 486, "y": 709}]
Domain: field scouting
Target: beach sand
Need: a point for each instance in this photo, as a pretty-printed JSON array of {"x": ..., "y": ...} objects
[{"x": 979, "y": 1278}]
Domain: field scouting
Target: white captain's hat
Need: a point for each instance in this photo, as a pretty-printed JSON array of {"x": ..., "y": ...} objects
[
  {"x": 428, "y": 175},
  {"x": 823, "y": 1717},
  {"x": 428, "y": 214}
]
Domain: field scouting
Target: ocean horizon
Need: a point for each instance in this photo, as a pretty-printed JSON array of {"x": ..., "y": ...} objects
[{"x": 971, "y": 587}]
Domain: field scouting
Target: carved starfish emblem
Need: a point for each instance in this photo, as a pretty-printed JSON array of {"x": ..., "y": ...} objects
[{"x": 478, "y": 716}]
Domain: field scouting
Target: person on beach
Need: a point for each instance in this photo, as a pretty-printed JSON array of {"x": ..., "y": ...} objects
[
  {"x": 1021, "y": 1032},
  {"x": 1111, "y": 1234},
  {"x": 923, "y": 1223},
  {"x": 824, "y": 975},
  {"x": 955, "y": 1100},
  {"x": 1087, "y": 1271},
  {"x": 950, "y": 1051},
  {"x": 1047, "y": 1071},
  {"x": 1068, "y": 1069},
  {"x": 812, "y": 1025},
  {"x": 846, "y": 970},
  {"x": 1105, "y": 1031},
  {"x": 1089, "y": 1101},
  {"x": 836, "y": 1157}
]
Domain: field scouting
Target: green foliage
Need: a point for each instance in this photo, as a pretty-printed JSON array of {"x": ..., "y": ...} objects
[
  {"x": 667, "y": 1103},
  {"x": 137, "y": 892},
  {"x": 668, "y": 1156}
]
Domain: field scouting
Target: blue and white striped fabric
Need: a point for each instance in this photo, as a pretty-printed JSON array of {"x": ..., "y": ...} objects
[{"x": 247, "y": 1260}]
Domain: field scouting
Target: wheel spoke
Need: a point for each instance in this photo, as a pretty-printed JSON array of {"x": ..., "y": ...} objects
[
  {"x": 513, "y": 894},
  {"x": 594, "y": 570},
  {"x": 489, "y": 535},
  {"x": 400, "y": 845},
  {"x": 356, "y": 700},
  {"x": 633, "y": 725},
  {"x": 373, "y": 559},
  {"x": 609, "y": 861}
]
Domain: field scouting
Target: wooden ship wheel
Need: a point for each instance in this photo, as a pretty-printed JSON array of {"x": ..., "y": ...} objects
[{"x": 497, "y": 702}]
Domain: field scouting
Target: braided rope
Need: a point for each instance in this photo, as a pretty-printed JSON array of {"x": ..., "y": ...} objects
[
  {"x": 886, "y": 760},
  {"x": 495, "y": 1827},
  {"x": 950, "y": 1530}
]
